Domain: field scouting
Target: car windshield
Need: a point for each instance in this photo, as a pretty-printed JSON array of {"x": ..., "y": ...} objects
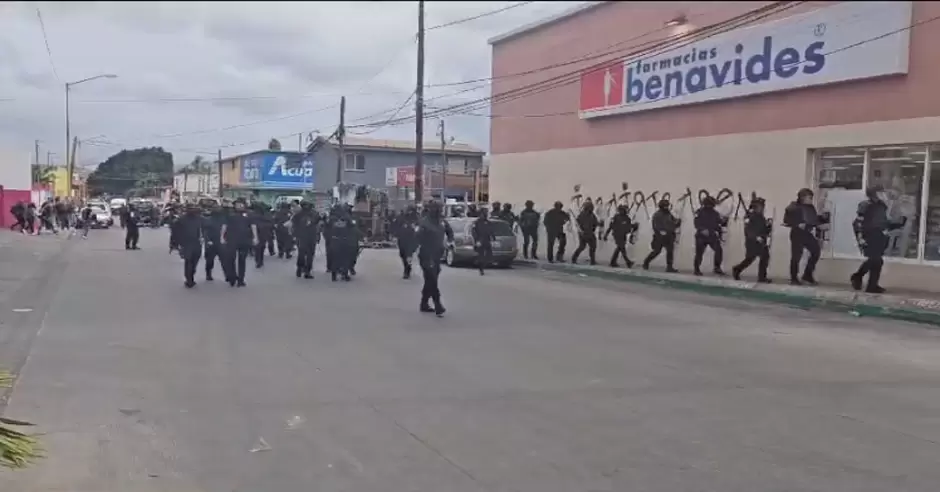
[{"x": 98, "y": 209}]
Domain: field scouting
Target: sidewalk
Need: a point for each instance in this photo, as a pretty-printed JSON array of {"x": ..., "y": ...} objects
[{"x": 918, "y": 307}]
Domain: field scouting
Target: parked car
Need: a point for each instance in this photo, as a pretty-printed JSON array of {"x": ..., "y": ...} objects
[
  {"x": 505, "y": 248},
  {"x": 102, "y": 216}
]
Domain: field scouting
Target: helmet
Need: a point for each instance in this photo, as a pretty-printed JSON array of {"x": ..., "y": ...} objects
[
  {"x": 622, "y": 209},
  {"x": 872, "y": 191},
  {"x": 306, "y": 205},
  {"x": 529, "y": 203},
  {"x": 664, "y": 204},
  {"x": 757, "y": 201},
  {"x": 804, "y": 192},
  {"x": 558, "y": 205},
  {"x": 709, "y": 202}
]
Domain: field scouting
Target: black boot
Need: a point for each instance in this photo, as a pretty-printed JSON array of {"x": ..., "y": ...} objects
[
  {"x": 438, "y": 307},
  {"x": 424, "y": 307},
  {"x": 299, "y": 272}
]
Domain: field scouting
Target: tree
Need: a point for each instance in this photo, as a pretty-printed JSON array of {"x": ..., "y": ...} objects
[
  {"x": 43, "y": 175},
  {"x": 121, "y": 172},
  {"x": 274, "y": 145},
  {"x": 198, "y": 166}
]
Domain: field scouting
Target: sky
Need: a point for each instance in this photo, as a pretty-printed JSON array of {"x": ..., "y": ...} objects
[{"x": 193, "y": 77}]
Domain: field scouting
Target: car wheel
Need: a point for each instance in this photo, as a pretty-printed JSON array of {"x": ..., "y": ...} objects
[{"x": 449, "y": 258}]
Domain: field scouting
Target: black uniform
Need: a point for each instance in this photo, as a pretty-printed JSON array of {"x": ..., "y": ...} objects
[
  {"x": 803, "y": 221},
  {"x": 506, "y": 215},
  {"x": 483, "y": 237},
  {"x": 870, "y": 228},
  {"x": 708, "y": 229},
  {"x": 239, "y": 239},
  {"x": 529, "y": 223},
  {"x": 87, "y": 217},
  {"x": 306, "y": 235},
  {"x": 264, "y": 223},
  {"x": 18, "y": 210},
  {"x": 621, "y": 226},
  {"x": 665, "y": 227},
  {"x": 188, "y": 231},
  {"x": 131, "y": 227},
  {"x": 282, "y": 235},
  {"x": 405, "y": 227},
  {"x": 472, "y": 211},
  {"x": 432, "y": 232},
  {"x": 212, "y": 233},
  {"x": 757, "y": 230},
  {"x": 587, "y": 233},
  {"x": 342, "y": 239},
  {"x": 554, "y": 222}
]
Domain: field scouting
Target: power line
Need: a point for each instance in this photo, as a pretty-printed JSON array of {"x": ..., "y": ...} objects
[
  {"x": 478, "y": 16},
  {"x": 42, "y": 26},
  {"x": 392, "y": 117}
]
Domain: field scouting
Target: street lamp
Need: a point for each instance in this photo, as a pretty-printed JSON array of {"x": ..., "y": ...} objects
[{"x": 68, "y": 129}]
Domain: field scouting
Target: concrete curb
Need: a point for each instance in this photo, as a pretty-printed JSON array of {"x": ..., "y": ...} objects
[{"x": 920, "y": 310}]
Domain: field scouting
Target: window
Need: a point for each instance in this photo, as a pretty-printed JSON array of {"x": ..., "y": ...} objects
[
  {"x": 910, "y": 175},
  {"x": 355, "y": 162},
  {"x": 457, "y": 166}
]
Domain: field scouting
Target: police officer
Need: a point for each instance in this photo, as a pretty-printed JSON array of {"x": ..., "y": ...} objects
[
  {"x": 587, "y": 233},
  {"x": 529, "y": 223},
  {"x": 432, "y": 233},
  {"x": 239, "y": 236},
  {"x": 213, "y": 218},
  {"x": 188, "y": 232},
  {"x": 338, "y": 248},
  {"x": 757, "y": 230},
  {"x": 483, "y": 237},
  {"x": 665, "y": 227},
  {"x": 554, "y": 222},
  {"x": 497, "y": 208},
  {"x": 870, "y": 226},
  {"x": 472, "y": 210},
  {"x": 131, "y": 220},
  {"x": 354, "y": 239},
  {"x": 264, "y": 222},
  {"x": 406, "y": 226},
  {"x": 506, "y": 215},
  {"x": 306, "y": 234},
  {"x": 621, "y": 226},
  {"x": 708, "y": 228},
  {"x": 803, "y": 220},
  {"x": 282, "y": 218}
]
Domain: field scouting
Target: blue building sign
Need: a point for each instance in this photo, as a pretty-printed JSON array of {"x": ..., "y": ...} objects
[{"x": 277, "y": 170}]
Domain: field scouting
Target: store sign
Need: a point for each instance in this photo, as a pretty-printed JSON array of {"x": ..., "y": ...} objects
[
  {"x": 277, "y": 170},
  {"x": 848, "y": 41},
  {"x": 405, "y": 176},
  {"x": 391, "y": 176}
]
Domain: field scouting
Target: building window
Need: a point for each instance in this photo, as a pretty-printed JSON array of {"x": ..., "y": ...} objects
[
  {"x": 355, "y": 162},
  {"x": 905, "y": 172},
  {"x": 457, "y": 166}
]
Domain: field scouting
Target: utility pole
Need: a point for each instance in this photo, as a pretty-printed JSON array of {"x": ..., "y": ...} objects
[
  {"x": 300, "y": 142},
  {"x": 220, "y": 173},
  {"x": 37, "y": 153},
  {"x": 443, "y": 163},
  {"x": 419, "y": 110},
  {"x": 49, "y": 158},
  {"x": 341, "y": 138},
  {"x": 71, "y": 164}
]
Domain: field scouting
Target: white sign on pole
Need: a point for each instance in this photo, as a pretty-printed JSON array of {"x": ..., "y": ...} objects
[
  {"x": 391, "y": 176},
  {"x": 844, "y": 42}
]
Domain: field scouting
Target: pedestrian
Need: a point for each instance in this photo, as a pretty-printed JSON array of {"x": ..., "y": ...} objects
[
  {"x": 587, "y": 233},
  {"x": 131, "y": 222},
  {"x": 432, "y": 232},
  {"x": 46, "y": 214},
  {"x": 757, "y": 230},
  {"x": 282, "y": 233},
  {"x": 30, "y": 219},
  {"x": 529, "y": 223},
  {"x": 306, "y": 234},
  {"x": 870, "y": 226},
  {"x": 665, "y": 229},
  {"x": 61, "y": 213},
  {"x": 189, "y": 230},
  {"x": 406, "y": 227},
  {"x": 554, "y": 222},
  {"x": 239, "y": 236},
  {"x": 212, "y": 235},
  {"x": 621, "y": 226},
  {"x": 88, "y": 215},
  {"x": 803, "y": 220},
  {"x": 708, "y": 227},
  {"x": 483, "y": 237},
  {"x": 18, "y": 210}
]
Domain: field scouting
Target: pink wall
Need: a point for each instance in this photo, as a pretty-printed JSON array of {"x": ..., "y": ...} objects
[
  {"x": 595, "y": 31},
  {"x": 8, "y": 198}
]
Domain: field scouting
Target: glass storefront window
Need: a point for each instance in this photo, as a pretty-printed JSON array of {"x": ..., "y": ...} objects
[
  {"x": 900, "y": 170},
  {"x": 839, "y": 176},
  {"x": 932, "y": 235},
  {"x": 840, "y": 168}
]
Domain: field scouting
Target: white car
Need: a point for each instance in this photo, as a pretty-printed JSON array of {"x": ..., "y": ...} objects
[{"x": 102, "y": 216}]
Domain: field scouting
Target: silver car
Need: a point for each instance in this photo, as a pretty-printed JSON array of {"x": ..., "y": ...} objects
[{"x": 505, "y": 248}]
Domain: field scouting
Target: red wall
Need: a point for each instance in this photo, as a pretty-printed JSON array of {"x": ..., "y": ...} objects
[{"x": 8, "y": 198}]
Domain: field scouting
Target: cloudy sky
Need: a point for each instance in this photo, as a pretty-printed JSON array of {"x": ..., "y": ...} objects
[{"x": 194, "y": 76}]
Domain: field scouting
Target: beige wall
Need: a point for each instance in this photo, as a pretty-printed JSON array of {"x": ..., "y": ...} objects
[{"x": 772, "y": 164}]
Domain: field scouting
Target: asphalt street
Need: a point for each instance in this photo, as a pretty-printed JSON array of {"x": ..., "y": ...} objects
[{"x": 531, "y": 382}]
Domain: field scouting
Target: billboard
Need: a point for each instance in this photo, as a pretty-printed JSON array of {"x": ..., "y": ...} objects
[
  {"x": 847, "y": 41},
  {"x": 277, "y": 170},
  {"x": 405, "y": 176}
]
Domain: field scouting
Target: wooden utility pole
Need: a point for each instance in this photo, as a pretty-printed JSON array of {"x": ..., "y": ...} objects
[
  {"x": 36, "y": 162},
  {"x": 443, "y": 163},
  {"x": 419, "y": 110},
  {"x": 220, "y": 173},
  {"x": 341, "y": 139},
  {"x": 300, "y": 142},
  {"x": 49, "y": 158}
]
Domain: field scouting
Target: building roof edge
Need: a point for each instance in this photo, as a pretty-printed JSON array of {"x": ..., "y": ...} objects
[{"x": 576, "y": 10}]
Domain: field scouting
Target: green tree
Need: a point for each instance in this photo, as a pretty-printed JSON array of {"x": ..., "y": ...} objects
[
  {"x": 124, "y": 171},
  {"x": 43, "y": 175}
]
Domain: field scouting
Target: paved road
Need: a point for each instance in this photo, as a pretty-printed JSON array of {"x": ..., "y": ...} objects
[{"x": 531, "y": 383}]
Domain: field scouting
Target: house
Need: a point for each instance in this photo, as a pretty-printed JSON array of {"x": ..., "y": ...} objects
[{"x": 377, "y": 163}]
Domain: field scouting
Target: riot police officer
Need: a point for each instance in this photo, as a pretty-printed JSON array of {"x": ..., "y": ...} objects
[
  {"x": 529, "y": 223},
  {"x": 870, "y": 225},
  {"x": 554, "y": 222},
  {"x": 483, "y": 237},
  {"x": 587, "y": 233},
  {"x": 339, "y": 247},
  {"x": 282, "y": 232},
  {"x": 621, "y": 226},
  {"x": 432, "y": 233},
  {"x": 708, "y": 229},
  {"x": 665, "y": 229},
  {"x": 239, "y": 237},
  {"x": 803, "y": 220},
  {"x": 406, "y": 226},
  {"x": 757, "y": 230},
  {"x": 188, "y": 231},
  {"x": 306, "y": 235}
]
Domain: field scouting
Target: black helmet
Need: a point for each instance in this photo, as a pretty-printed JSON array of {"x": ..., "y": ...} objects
[
  {"x": 872, "y": 191},
  {"x": 507, "y": 206},
  {"x": 558, "y": 205},
  {"x": 664, "y": 204},
  {"x": 529, "y": 204},
  {"x": 306, "y": 205},
  {"x": 622, "y": 209},
  {"x": 804, "y": 192},
  {"x": 709, "y": 202},
  {"x": 757, "y": 201}
]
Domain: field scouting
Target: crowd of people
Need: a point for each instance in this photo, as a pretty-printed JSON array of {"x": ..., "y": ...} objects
[{"x": 52, "y": 216}]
